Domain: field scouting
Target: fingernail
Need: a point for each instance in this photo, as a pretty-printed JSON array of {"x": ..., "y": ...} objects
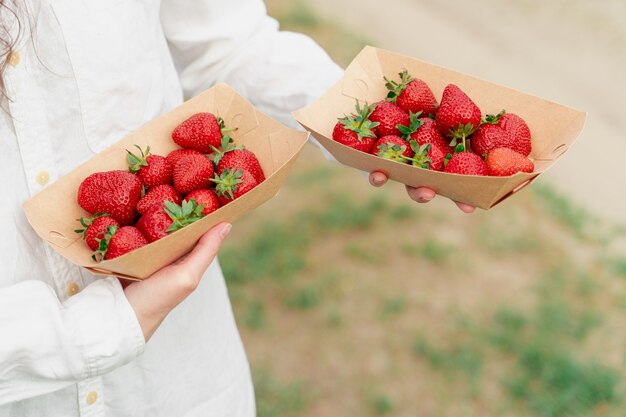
[{"x": 225, "y": 230}]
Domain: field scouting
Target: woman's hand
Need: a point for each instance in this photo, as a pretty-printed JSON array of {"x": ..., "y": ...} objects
[
  {"x": 421, "y": 194},
  {"x": 153, "y": 298}
]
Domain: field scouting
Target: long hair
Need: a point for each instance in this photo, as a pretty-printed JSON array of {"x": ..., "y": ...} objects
[{"x": 7, "y": 42}]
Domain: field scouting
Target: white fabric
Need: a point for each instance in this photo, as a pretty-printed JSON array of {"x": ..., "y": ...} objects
[{"x": 89, "y": 72}]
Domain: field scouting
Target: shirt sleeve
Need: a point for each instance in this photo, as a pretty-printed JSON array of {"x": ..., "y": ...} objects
[
  {"x": 236, "y": 42},
  {"x": 46, "y": 345}
]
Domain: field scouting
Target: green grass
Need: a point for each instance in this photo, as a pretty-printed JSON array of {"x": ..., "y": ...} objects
[
  {"x": 403, "y": 212},
  {"x": 515, "y": 241},
  {"x": 431, "y": 250},
  {"x": 551, "y": 377},
  {"x": 276, "y": 398},
  {"x": 394, "y": 306},
  {"x": 364, "y": 253},
  {"x": 561, "y": 208},
  {"x": 618, "y": 267},
  {"x": 548, "y": 373},
  {"x": 345, "y": 213},
  {"x": 464, "y": 360},
  {"x": 556, "y": 383},
  {"x": 305, "y": 298},
  {"x": 254, "y": 316},
  {"x": 382, "y": 405},
  {"x": 276, "y": 251},
  {"x": 319, "y": 175}
]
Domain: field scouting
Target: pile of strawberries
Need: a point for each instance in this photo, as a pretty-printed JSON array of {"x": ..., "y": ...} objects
[
  {"x": 161, "y": 194},
  {"x": 452, "y": 136}
]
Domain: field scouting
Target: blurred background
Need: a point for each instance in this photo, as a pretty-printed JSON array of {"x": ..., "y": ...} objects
[{"x": 356, "y": 301}]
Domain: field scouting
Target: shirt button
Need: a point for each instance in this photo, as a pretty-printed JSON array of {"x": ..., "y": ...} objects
[
  {"x": 13, "y": 59},
  {"x": 73, "y": 289},
  {"x": 42, "y": 178},
  {"x": 92, "y": 397}
]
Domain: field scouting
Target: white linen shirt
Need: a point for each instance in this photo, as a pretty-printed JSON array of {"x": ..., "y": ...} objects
[{"x": 84, "y": 74}]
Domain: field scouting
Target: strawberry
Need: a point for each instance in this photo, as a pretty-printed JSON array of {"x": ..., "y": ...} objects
[
  {"x": 423, "y": 130},
  {"x": 490, "y": 135},
  {"x": 411, "y": 95},
  {"x": 118, "y": 241},
  {"x": 388, "y": 116},
  {"x": 427, "y": 156},
  {"x": 239, "y": 158},
  {"x": 113, "y": 192},
  {"x": 192, "y": 172},
  {"x": 393, "y": 148},
  {"x": 503, "y": 130},
  {"x": 207, "y": 198},
  {"x": 356, "y": 130},
  {"x": 202, "y": 132},
  {"x": 231, "y": 185},
  {"x": 503, "y": 162},
  {"x": 95, "y": 228},
  {"x": 160, "y": 221},
  {"x": 466, "y": 163},
  {"x": 175, "y": 155},
  {"x": 156, "y": 196},
  {"x": 458, "y": 116},
  {"x": 519, "y": 133},
  {"x": 151, "y": 169}
]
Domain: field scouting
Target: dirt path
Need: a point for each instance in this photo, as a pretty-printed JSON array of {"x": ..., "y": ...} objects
[{"x": 568, "y": 51}]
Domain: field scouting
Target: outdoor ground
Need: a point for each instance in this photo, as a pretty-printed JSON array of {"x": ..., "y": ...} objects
[{"x": 356, "y": 301}]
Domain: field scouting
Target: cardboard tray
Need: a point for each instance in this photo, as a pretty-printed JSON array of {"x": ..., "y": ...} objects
[
  {"x": 554, "y": 127},
  {"x": 53, "y": 211}
]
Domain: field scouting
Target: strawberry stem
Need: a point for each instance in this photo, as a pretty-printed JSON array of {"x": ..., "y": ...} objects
[
  {"x": 187, "y": 213},
  {"x": 227, "y": 183}
]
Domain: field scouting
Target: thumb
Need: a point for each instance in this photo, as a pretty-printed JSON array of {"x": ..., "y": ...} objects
[
  {"x": 378, "y": 179},
  {"x": 199, "y": 259}
]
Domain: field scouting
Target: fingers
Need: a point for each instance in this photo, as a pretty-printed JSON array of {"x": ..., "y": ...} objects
[
  {"x": 378, "y": 179},
  {"x": 199, "y": 259},
  {"x": 465, "y": 208},
  {"x": 424, "y": 195},
  {"x": 421, "y": 194}
]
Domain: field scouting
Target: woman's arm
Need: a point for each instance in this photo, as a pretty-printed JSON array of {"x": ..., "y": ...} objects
[
  {"x": 46, "y": 345},
  {"x": 236, "y": 42}
]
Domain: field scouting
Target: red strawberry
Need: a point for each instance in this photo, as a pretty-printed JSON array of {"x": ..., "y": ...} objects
[
  {"x": 519, "y": 133},
  {"x": 95, "y": 228},
  {"x": 175, "y": 155},
  {"x": 202, "y": 132},
  {"x": 458, "y": 116},
  {"x": 490, "y": 135},
  {"x": 231, "y": 185},
  {"x": 427, "y": 156},
  {"x": 156, "y": 196},
  {"x": 423, "y": 130},
  {"x": 160, "y": 221},
  {"x": 388, "y": 116},
  {"x": 393, "y": 148},
  {"x": 503, "y": 162},
  {"x": 151, "y": 169},
  {"x": 503, "y": 130},
  {"x": 412, "y": 95},
  {"x": 356, "y": 130},
  {"x": 205, "y": 197},
  {"x": 239, "y": 158},
  {"x": 192, "y": 172},
  {"x": 113, "y": 192},
  {"x": 118, "y": 241},
  {"x": 466, "y": 163}
]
